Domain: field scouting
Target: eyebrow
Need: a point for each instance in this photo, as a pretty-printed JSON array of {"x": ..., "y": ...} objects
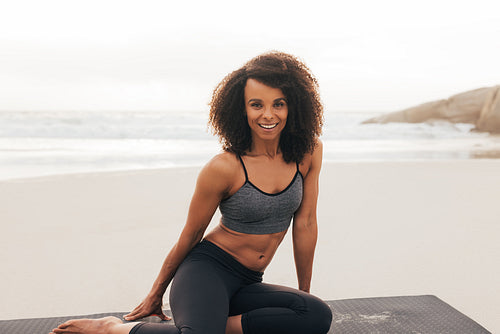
[{"x": 275, "y": 100}]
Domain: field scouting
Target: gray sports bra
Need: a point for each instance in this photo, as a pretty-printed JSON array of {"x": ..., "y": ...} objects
[{"x": 253, "y": 211}]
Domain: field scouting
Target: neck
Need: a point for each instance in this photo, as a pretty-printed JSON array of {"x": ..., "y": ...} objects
[{"x": 264, "y": 147}]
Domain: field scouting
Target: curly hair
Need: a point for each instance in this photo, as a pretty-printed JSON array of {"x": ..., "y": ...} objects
[{"x": 278, "y": 70}]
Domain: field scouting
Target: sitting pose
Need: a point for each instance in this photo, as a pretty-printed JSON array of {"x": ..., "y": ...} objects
[{"x": 268, "y": 116}]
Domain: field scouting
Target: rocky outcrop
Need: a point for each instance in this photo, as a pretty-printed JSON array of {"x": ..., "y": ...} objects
[{"x": 480, "y": 107}]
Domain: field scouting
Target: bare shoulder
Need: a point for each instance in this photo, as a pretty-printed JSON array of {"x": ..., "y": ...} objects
[
  {"x": 312, "y": 161},
  {"x": 222, "y": 164},
  {"x": 220, "y": 172}
]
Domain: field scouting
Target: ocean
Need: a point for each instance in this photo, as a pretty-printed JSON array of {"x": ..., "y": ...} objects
[{"x": 39, "y": 143}]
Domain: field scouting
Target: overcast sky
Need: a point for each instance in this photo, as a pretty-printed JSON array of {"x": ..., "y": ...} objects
[{"x": 168, "y": 55}]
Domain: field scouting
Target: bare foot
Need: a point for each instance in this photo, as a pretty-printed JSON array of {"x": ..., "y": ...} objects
[{"x": 87, "y": 326}]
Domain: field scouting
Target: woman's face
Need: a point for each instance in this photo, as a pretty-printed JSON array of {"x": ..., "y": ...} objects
[{"x": 266, "y": 109}]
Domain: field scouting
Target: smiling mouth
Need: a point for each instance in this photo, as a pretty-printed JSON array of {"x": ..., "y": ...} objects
[{"x": 268, "y": 126}]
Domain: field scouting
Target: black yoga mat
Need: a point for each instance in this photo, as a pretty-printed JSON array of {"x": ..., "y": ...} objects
[
  {"x": 381, "y": 315},
  {"x": 398, "y": 315}
]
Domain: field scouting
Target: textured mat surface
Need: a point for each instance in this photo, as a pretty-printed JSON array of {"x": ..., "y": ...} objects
[
  {"x": 416, "y": 315},
  {"x": 401, "y": 315}
]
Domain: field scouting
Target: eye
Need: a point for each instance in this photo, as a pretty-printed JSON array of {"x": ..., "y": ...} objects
[
  {"x": 256, "y": 105},
  {"x": 280, "y": 104}
]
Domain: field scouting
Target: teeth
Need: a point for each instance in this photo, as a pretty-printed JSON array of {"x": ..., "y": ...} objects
[{"x": 268, "y": 126}]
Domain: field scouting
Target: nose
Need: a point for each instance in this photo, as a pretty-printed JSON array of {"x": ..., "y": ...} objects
[{"x": 268, "y": 113}]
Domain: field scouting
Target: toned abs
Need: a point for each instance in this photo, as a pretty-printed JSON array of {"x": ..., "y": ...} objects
[{"x": 254, "y": 251}]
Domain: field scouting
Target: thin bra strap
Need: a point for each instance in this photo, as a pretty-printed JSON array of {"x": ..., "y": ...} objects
[
  {"x": 244, "y": 168},
  {"x": 298, "y": 170}
]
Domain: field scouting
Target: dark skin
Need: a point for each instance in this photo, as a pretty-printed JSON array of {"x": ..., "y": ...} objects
[{"x": 266, "y": 111}]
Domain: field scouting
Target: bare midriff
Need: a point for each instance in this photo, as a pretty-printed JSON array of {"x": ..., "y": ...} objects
[{"x": 254, "y": 251}]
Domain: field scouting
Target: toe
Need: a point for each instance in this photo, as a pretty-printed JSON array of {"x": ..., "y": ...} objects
[
  {"x": 59, "y": 330},
  {"x": 63, "y": 325}
]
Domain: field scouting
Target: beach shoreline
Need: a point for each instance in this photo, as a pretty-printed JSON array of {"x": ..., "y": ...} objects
[
  {"x": 66, "y": 142},
  {"x": 94, "y": 242}
]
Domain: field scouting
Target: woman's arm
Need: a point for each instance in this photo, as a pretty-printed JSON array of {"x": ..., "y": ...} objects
[
  {"x": 212, "y": 184},
  {"x": 305, "y": 228}
]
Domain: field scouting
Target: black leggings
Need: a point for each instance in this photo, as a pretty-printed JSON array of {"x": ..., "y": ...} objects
[{"x": 211, "y": 285}]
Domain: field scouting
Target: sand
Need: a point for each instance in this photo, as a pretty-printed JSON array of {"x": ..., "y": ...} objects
[{"x": 90, "y": 243}]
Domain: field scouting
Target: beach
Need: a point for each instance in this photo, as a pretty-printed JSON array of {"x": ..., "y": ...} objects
[{"x": 94, "y": 242}]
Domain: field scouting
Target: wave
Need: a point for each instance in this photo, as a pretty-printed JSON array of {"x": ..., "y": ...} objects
[{"x": 193, "y": 126}]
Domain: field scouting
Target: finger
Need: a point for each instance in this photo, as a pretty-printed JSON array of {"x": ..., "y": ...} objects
[
  {"x": 134, "y": 315},
  {"x": 160, "y": 315},
  {"x": 130, "y": 317},
  {"x": 164, "y": 317},
  {"x": 134, "y": 312},
  {"x": 136, "y": 309}
]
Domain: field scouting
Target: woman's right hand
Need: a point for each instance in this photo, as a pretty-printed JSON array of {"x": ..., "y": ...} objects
[{"x": 151, "y": 305}]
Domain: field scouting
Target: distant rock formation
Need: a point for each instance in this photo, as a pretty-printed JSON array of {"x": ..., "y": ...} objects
[{"x": 480, "y": 107}]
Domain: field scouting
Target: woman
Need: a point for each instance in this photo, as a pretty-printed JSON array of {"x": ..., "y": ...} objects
[{"x": 268, "y": 116}]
